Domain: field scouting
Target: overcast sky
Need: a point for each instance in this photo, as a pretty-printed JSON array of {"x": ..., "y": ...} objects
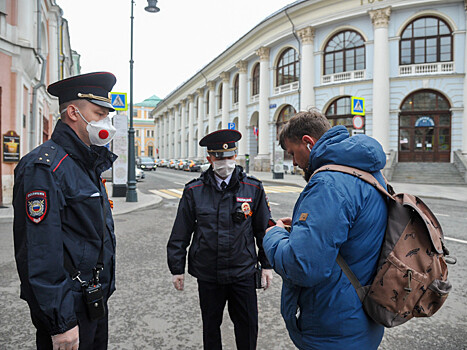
[{"x": 169, "y": 46}]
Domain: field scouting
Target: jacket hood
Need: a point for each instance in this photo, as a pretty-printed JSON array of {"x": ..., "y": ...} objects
[{"x": 337, "y": 147}]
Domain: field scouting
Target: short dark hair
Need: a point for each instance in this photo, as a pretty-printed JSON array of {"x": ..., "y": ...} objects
[{"x": 312, "y": 123}]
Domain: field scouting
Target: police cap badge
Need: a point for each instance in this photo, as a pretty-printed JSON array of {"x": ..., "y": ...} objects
[
  {"x": 94, "y": 87},
  {"x": 221, "y": 143}
]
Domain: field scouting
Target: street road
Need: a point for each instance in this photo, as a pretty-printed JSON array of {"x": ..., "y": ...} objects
[{"x": 146, "y": 312}]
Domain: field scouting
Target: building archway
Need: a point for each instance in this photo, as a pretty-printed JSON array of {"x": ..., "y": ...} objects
[
  {"x": 284, "y": 116},
  {"x": 339, "y": 113},
  {"x": 253, "y": 135},
  {"x": 425, "y": 128}
]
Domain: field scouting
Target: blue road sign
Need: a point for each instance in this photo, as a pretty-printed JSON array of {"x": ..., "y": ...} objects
[
  {"x": 358, "y": 105},
  {"x": 232, "y": 126},
  {"x": 119, "y": 101}
]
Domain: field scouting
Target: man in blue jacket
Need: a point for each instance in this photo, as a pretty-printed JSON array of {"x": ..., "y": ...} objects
[
  {"x": 63, "y": 227},
  {"x": 335, "y": 213}
]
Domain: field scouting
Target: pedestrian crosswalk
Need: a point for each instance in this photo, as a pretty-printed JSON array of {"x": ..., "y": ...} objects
[{"x": 175, "y": 193}]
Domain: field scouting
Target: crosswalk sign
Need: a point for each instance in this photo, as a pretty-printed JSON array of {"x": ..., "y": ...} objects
[
  {"x": 357, "y": 105},
  {"x": 118, "y": 101}
]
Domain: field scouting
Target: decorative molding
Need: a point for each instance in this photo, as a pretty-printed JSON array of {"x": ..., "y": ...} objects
[
  {"x": 191, "y": 98},
  {"x": 200, "y": 92},
  {"x": 211, "y": 85},
  {"x": 243, "y": 65},
  {"x": 380, "y": 17},
  {"x": 263, "y": 53},
  {"x": 307, "y": 35},
  {"x": 225, "y": 76}
]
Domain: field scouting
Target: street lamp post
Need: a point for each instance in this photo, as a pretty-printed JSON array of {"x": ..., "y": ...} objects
[{"x": 131, "y": 195}]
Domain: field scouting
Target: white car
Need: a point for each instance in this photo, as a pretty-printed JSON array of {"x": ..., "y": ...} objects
[
  {"x": 204, "y": 167},
  {"x": 139, "y": 174}
]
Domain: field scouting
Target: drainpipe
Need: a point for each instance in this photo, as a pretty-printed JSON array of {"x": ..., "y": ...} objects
[
  {"x": 299, "y": 57},
  {"x": 35, "y": 89}
]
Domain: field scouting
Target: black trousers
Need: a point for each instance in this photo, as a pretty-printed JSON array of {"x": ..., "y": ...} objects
[
  {"x": 243, "y": 311},
  {"x": 93, "y": 335}
]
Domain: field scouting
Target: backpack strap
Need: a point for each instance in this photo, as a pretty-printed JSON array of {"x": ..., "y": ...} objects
[
  {"x": 367, "y": 177},
  {"x": 363, "y": 175}
]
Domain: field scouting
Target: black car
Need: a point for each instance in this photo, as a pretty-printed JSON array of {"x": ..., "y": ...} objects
[{"x": 146, "y": 163}]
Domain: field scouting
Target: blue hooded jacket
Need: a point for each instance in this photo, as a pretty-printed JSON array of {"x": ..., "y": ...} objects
[{"x": 335, "y": 212}]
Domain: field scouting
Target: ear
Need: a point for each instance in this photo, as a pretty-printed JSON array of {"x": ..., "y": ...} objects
[
  {"x": 209, "y": 159},
  {"x": 309, "y": 140},
  {"x": 71, "y": 113}
]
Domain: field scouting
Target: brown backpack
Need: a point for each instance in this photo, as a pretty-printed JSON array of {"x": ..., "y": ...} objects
[{"x": 411, "y": 276}]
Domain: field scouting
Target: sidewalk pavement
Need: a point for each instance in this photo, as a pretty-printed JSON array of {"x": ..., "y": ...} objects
[
  {"x": 453, "y": 192},
  {"x": 121, "y": 206}
]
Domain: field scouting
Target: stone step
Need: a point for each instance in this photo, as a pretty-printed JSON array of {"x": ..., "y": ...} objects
[{"x": 427, "y": 173}]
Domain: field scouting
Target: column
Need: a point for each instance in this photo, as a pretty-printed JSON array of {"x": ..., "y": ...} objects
[
  {"x": 307, "y": 69},
  {"x": 142, "y": 150},
  {"x": 177, "y": 133},
  {"x": 159, "y": 136},
  {"x": 171, "y": 132},
  {"x": 262, "y": 160},
  {"x": 380, "y": 19},
  {"x": 200, "y": 93},
  {"x": 242, "y": 107},
  {"x": 464, "y": 121},
  {"x": 225, "y": 76},
  {"x": 166, "y": 131},
  {"x": 212, "y": 106},
  {"x": 182, "y": 132},
  {"x": 191, "y": 149}
]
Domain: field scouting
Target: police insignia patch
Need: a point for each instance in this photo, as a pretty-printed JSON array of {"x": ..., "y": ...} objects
[{"x": 36, "y": 205}]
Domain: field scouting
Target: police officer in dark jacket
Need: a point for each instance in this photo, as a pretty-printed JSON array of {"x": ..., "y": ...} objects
[
  {"x": 63, "y": 226},
  {"x": 227, "y": 211}
]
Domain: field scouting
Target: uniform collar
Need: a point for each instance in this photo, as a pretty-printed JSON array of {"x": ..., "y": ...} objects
[{"x": 94, "y": 157}]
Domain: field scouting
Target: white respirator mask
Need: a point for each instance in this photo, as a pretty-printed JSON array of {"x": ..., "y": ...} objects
[
  {"x": 224, "y": 167},
  {"x": 100, "y": 132}
]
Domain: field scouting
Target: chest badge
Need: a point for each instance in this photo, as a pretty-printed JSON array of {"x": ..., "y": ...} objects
[
  {"x": 246, "y": 209},
  {"x": 36, "y": 205}
]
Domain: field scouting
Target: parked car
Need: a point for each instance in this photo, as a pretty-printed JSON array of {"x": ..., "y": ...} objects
[
  {"x": 172, "y": 163},
  {"x": 146, "y": 163},
  {"x": 181, "y": 163},
  {"x": 193, "y": 165},
  {"x": 163, "y": 163},
  {"x": 139, "y": 174},
  {"x": 157, "y": 162},
  {"x": 289, "y": 168}
]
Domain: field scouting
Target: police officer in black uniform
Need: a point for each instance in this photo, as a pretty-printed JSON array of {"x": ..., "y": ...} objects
[
  {"x": 227, "y": 211},
  {"x": 63, "y": 227}
]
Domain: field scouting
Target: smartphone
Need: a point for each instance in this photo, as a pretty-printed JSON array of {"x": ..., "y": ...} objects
[{"x": 271, "y": 222}]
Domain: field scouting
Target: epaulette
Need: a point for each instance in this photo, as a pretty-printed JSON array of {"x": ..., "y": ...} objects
[
  {"x": 190, "y": 182},
  {"x": 46, "y": 155},
  {"x": 253, "y": 178}
]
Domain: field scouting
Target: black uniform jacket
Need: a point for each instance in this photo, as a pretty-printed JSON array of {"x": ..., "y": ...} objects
[
  {"x": 60, "y": 202},
  {"x": 223, "y": 248}
]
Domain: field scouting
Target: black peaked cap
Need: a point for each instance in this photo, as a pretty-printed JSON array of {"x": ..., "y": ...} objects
[{"x": 221, "y": 143}]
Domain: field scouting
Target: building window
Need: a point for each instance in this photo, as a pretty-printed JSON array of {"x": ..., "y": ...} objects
[
  {"x": 284, "y": 116},
  {"x": 152, "y": 133},
  {"x": 426, "y": 40},
  {"x": 288, "y": 68},
  {"x": 255, "y": 81},
  {"x": 344, "y": 52},
  {"x": 207, "y": 103},
  {"x": 150, "y": 151},
  {"x": 219, "y": 101},
  {"x": 137, "y": 132},
  {"x": 235, "y": 89},
  {"x": 339, "y": 113},
  {"x": 148, "y": 133}
]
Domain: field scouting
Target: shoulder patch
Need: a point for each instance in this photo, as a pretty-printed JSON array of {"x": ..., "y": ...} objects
[
  {"x": 37, "y": 205},
  {"x": 46, "y": 155},
  {"x": 303, "y": 217}
]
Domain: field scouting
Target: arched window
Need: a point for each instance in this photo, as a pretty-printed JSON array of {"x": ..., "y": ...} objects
[
  {"x": 288, "y": 67},
  {"x": 339, "y": 113},
  {"x": 235, "y": 89},
  {"x": 426, "y": 40},
  {"x": 284, "y": 116},
  {"x": 344, "y": 52},
  {"x": 219, "y": 101},
  {"x": 255, "y": 81}
]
